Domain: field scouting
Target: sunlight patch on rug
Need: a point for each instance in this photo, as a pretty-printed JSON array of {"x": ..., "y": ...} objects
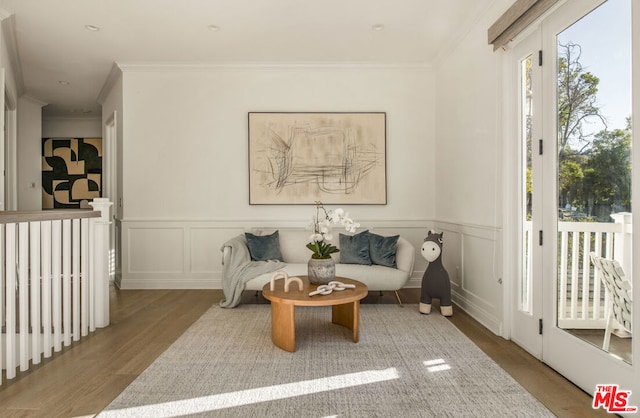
[
  {"x": 438, "y": 365},
  {"x": 245, "y": 397}
]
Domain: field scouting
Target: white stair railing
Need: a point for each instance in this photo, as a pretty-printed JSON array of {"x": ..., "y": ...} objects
[{"x": 54, "y": 282}]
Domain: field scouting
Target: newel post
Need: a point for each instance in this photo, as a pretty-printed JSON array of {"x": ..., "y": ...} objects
[
  {"x": 622, "y": 242},
  {"x": 101, "y": 262}
]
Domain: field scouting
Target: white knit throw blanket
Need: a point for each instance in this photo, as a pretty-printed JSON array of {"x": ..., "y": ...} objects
[{"x": 240, "y": 269}]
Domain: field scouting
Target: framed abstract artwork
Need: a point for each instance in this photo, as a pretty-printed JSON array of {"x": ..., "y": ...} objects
[
  {"x": 300, "y": 158},
  {"x": 71, "y": 172}
]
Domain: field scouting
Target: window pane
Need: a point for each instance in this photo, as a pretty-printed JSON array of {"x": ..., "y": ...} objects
[{"x": 526, "y": 110}]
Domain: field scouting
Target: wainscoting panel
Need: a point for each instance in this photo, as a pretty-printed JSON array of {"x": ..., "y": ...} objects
[
  {"x": 186, "y": 254},
  {"x": 156, "y": 250},
  {"x": 205, "y": 256},
  {"x": 472, "y": 257}
]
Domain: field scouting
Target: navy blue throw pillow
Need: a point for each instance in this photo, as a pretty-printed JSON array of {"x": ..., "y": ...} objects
[
  {"x": 264, "y": 247},
  {"x": 354, "y": 249},
  {"x": 383, "y": 250}
]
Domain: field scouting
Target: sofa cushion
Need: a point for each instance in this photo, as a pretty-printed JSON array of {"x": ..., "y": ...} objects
[
  {"x": 354, "y": 249},
  {"x": 383, "y": 250},
  {"x": 264, "y": 247},
  {"x": 375, "y": 277}
]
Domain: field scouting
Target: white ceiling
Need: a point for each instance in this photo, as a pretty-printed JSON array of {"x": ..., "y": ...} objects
[{"x": 53, "y": 43}]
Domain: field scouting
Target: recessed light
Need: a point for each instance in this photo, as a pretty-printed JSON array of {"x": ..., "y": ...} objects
[
  {"x": 64, "y": 82},
  {"x": 378, "y": 27},
  {"x": 92, "y": 28},
  {"x": 213, "y": 28}
]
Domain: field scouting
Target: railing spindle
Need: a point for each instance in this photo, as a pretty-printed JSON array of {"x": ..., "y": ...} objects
[
  {"x": 66, "y": 282},
  {"x": 10, "y": 301},
  {"x": 23, "y": 292},
  {"x": 34, "y": 266},
  {"x": 575, "y": 271},
  {"x": 586, "y": 273},
  {"x": 609, "y": 247},
  {"x": 92, "y": 272},
  {"x": 595, "y": 314},
  {"x": 56, "y": 285},
  {"x": 75, "y": 277},
  {"x": 562, "y": 282},
  {"x": 84, "y": 278},
  {"x": 2, "y": 286},
  {"x": 47, "y": 323}
]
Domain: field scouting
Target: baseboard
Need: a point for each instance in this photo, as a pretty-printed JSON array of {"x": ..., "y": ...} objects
[
  {"x": 476, "y": 312},
  {"x": 414, "y": 282},
  {"x": 171, "y": 284}
]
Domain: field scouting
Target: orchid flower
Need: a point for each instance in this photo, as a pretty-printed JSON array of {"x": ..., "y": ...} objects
[{"x": 321, "y": 225}]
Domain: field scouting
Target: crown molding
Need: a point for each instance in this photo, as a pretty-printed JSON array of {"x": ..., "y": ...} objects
[
  {"x": 260, "y": 66},
  {"x": 455, "y": 39},
  {"x": 8, "y": 22},
  {"x": 33, "y": 100},
  {"x": 109, "y": 82}
]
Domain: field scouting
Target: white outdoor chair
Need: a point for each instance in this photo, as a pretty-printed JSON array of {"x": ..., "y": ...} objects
[{"x": 619, "y": 295}]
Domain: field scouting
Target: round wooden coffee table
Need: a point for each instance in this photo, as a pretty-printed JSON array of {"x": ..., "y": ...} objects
[{"x": 345, "y": 308}]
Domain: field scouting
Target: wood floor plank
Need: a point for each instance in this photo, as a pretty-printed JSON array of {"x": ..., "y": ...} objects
[{"x": 83, "y": 379}]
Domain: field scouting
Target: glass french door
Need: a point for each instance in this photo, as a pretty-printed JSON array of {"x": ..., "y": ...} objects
[
  {"x": 588, "y": 109},
  {"x": 3, "y": 139},
  {"x": 594, "y": 173},
  {"x": 527, "y": 291},
  {"x": 574, "y": 188}
]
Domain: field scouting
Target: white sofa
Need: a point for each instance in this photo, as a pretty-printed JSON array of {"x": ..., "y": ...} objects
[{"x": 296, "y": 255}]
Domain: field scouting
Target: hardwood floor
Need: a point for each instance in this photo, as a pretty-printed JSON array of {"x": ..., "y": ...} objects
[{"x": 84, "y": 378}]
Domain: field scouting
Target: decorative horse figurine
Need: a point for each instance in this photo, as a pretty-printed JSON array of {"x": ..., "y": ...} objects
[{"x": 435, "y": 280}]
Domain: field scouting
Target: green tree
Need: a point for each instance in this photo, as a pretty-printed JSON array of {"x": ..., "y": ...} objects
[
  {"x": 570, "y": 180},
  {"x": 607, "y": 181},
  {"x": 577, "y": 104}
]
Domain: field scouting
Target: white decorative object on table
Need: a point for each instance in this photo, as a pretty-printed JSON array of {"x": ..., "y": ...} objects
[
  {"x": 287, "y": 280},
  {"x": 321, "y": 267},
  {"x": 327, "y": 289}
]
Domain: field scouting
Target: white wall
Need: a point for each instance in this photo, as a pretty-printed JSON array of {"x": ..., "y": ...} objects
[
  {"x": 112, "y": 109},
  {"x": 468, "y": 169},
  {"x": 12, "y": 91},
  {"x": 186, "y": 136},
  {"x": 185, "y": 158},
  {"x": 80, "y": 127},
  {"x": 29, "y": 154}
]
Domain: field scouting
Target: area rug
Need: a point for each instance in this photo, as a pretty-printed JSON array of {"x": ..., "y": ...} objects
[{"x": 405, "y": 364}]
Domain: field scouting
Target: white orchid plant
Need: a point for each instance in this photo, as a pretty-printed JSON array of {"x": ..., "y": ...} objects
[{"x": 321, "y": 225}]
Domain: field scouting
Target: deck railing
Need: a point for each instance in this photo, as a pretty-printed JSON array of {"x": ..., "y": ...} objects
[
  {"x": 54, "y": 282},
  {"x": 582, "y": 300}
]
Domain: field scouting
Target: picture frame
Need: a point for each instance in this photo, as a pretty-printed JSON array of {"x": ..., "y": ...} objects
[
  {"x": 304, "y": 157},
  {"x": 71, "y": 172}
]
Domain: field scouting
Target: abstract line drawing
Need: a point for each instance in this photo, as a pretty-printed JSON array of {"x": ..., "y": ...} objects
[
  {"x": 300, "y": 158},
  {"x": 71, "y": 172}
]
